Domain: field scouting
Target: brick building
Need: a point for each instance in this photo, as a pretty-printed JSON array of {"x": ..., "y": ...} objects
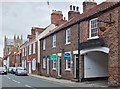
[
  {"x": 30, "y": 51},
  {"x": 99, "y": 27}
]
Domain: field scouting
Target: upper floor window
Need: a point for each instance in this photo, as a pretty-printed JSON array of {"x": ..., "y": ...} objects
[
  {"x": 30, "y": 51},
  {"x": 25, "y": 51},
  {"x": 34, "y": 46},
  {"x": 54, "y": 41},
  {"x": 93, "y": 32},
  {"x": 44, "y": 43},
  {"x": 22, "y": 52},
  {"x": 68, "y": 36}
]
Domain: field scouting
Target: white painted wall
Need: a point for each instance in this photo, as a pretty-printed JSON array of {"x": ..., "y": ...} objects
[
  {"x": 46, "y": 31},
  {"x": 95, "y": 65}
]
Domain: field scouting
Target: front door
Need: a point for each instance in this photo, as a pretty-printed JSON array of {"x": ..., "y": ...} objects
[
  {"x": 48, "y": 67},
  {"x": 76, "y": 58},
  {"x": 59, "y": 66}
]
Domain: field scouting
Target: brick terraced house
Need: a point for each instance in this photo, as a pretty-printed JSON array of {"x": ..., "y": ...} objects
[{"x": 96, "y": 33}]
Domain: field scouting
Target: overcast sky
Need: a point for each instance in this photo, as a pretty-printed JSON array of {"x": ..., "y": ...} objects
[{"x": 18, "y": 16}]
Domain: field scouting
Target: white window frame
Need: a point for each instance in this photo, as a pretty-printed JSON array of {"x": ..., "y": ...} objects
[
  {"x": 34, "y": 48},
  {"x": 30, "y": 49},
  {"x": 34, "y": 64},
  {"x": 68, "y": 36},
  {"x": 93, "y": 26},
  {"x": 68, "y": 69},
  {"x": 54, "y": 41},
  {"x": 44, "y": 63},
  {"x": 54, "y": 63},
  {"x": 44, "y": 44},
  {"x": 25, "y": 51}
]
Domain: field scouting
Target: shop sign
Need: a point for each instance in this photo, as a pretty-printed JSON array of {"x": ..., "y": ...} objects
[
  {"x": 53, "y": 57},
  {"x": 67, "y": 56}
]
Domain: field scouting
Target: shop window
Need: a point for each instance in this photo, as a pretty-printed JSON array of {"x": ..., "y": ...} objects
[
  {"x": 44, "y": 63},
  {"x": 54, "y": 41},
  {"x": 54, "y": 64},
  {"x": 68, "y": 36},
  {"x": 93, "y": 32}
]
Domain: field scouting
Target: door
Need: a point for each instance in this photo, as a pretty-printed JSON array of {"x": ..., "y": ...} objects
[
  {"x": 48, "y": 67},
  {"x": 75, "y": 68},
  {"x": 30, "y": 67},
  {"x": 59, "y": 66}
]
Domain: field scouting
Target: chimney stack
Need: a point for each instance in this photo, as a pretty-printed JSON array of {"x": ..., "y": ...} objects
[
  {"x": 74, "y": 12},
  {"x": 88, "y": 4},
  {"x": 56, "y": 17}
]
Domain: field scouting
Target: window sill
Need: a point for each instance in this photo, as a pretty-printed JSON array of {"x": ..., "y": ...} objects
[
  {"x": 54, "y": 69},
  {"x": 67, "y": 69},
  {"x": 90, "y": 38},
  {"x": 68, "y": 43},
  {"x": 54, "y": 47}
]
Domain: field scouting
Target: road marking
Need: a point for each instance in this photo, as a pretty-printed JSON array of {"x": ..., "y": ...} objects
[
  {"x": 15, "y": 81},
  {"x": 8, "y": 77},
  {"x": 27, "y": 86}
]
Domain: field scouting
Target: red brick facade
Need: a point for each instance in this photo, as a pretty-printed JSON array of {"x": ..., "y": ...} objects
[{"x": 111, "y": 38}]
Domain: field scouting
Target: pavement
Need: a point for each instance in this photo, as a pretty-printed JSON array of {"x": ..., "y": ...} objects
[{"x": 100, "y": 83}]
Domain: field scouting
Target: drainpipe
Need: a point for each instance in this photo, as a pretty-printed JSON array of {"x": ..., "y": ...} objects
[{"x": 77, "y": 61}]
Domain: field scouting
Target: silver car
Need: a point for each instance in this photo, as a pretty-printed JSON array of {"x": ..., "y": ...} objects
[
  {"x": 3, "y": 70},
  {"x": 21, "y": 71}
]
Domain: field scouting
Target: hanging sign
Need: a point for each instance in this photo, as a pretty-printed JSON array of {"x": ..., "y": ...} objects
[
  {"x": 53, "y": 57},
  {"x": 67, "y": 56}
]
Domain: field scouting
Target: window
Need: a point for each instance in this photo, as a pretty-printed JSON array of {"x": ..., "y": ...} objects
[
  {"x": 22, "y": 52},
  {"x": 25, "y": 51},
  {"x": 29, "y": 49},
  {"x": 34, "y": 64},
  {"x": 68, "y": 65},
  {"x": 54, "y": 64},
  {"x": 34, "y": 45},
  {"x": 68, "y": 35},
  {"x": 44, "y": 63},
  {"x": 44, "y": 43},
  {"x": 93, "y": 28},
  {"x": 54, "y": 40}
]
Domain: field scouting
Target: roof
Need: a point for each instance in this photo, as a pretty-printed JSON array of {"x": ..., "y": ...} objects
[{"x": 86, "y": 15}]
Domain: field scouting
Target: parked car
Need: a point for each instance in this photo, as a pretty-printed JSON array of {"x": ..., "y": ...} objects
[
  {"x": 13, "y": 70},
  {"x": 3, "y": 70},
  {"x": 10, "y": 69},
  {"x": 21, "y": 71}
]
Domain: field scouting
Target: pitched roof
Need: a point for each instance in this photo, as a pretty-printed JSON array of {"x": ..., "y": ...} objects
[{"x": 86, "y": 15}]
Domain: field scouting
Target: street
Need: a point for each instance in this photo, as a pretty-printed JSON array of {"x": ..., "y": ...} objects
[{"x": 11, "y": 80}]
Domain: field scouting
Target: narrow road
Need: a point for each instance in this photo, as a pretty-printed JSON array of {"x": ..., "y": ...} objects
[{"x": 11, "y": 80}]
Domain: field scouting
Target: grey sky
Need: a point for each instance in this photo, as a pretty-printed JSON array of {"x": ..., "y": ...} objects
[{"x": 18, "y": 16}]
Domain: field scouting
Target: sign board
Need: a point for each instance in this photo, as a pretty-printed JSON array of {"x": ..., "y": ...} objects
[
  {"x": 53, "y": 57},
  {"x": 67, "y": 56}
]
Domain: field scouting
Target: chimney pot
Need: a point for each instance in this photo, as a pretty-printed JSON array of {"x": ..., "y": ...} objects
[
  {"x": 70, "y": 7},
  {"x": 77, "y": 8},
  {"x": 73, "y": 8}
]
